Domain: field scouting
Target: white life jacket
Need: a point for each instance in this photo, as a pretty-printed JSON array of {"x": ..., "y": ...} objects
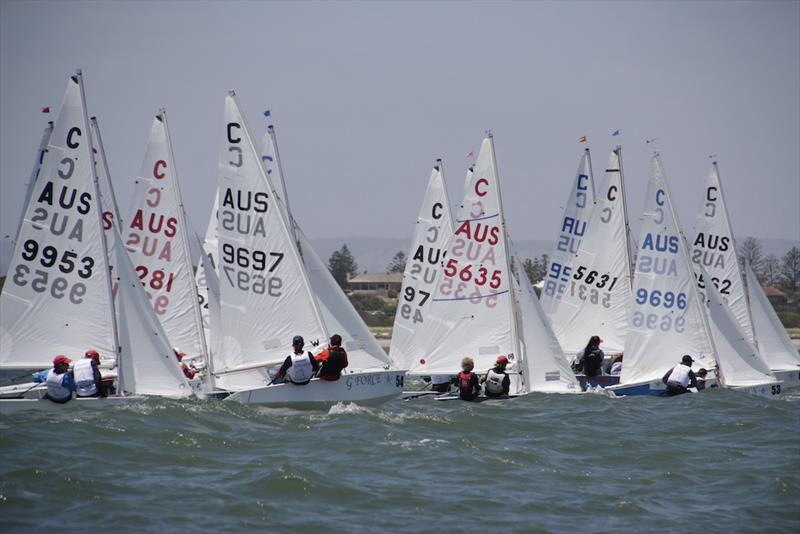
[
  {"x": 301, "y": 370},
  {"x": 616, "y": 368},
  {"x": 440, "y": 379},
  {"x": 84, "y": 378},
  {"x": 494, "y": 382},
  {"x": 679, "y": 375},
  {"x": 55, "y": 388}
]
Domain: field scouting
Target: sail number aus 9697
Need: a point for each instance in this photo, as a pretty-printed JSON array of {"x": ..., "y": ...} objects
[
  {"x": 256, "y": 260},
  {"x": 409, "y": 295}
]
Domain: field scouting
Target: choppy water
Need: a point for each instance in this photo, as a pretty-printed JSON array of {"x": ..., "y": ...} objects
[{"x": 719, "y": 461}]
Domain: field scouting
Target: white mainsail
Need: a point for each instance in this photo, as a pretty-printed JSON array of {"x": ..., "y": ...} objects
[
  {"x": 148, "y": 364},
  {"x": 773, "y": 342},
  {"x": 264, "y": 293},
  {"x": 339, "y": 315},
  {"x": 428, "y": 252},
  {"x": 714, "y": 249},
  {"x": 595, "y": 301},
  {"x": 56, "y": 299},
  {"x": 572, "y": 230},
  {"x": 471, "y": 311},
  {"x": 156, "y": 236},
  {"x": 544, "y": 366},
  {"x": 667, "y": 314},
  {"x": 738, "y": 360}
]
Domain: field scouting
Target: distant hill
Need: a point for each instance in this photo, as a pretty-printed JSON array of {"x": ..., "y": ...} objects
[{"x": 373, "y": 254}]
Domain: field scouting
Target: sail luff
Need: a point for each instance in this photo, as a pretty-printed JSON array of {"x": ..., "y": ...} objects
[
  {"x": 102, "y": 152},
  {"x": 103, "y": 241},
  {"x": 182, "y": 223},
  {"x": 37, "y": 166},
  {"x": 629, "y": 258}
]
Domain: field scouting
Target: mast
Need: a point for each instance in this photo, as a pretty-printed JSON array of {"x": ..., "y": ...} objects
[
  {"x": 685, "y": 253},
  {"x": 591, "y": 172},
  {"x": 512, "y": 294},
  {"x": 102, "y": 152},
  {"x": 198, "y": 321},
  {"x": 279, "y": 166},
  {"x": 284, "y": 219},
  {"x": 618, "y": 151},
  {"x": 37, "y": 166},
  {"x": 99, "y": 204}
]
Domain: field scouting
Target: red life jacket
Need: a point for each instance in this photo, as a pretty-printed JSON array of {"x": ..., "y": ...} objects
[{"x": 465, "y": 389}]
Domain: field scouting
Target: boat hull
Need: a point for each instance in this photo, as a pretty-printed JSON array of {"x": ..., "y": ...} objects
[
  {"x": 11, "y": 406},
  {"x": 790, "y": 378},
  {"x": 601, "y": 381},
  {"x": 365, "y": 389}
]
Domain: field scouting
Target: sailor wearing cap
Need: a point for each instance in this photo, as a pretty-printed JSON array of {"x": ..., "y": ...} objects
[
  {"x": 679, "y": 377},
  {"x": 88, "y": 382},
  {"x": 497, "y": 381},
  {"x": 298, "y": 368},
  {"x": 60, "y": 382}
]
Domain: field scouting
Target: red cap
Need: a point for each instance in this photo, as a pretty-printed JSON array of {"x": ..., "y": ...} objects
[
  {"x": 502, "y": 359},
  {"x": 91, "y": 353},
  {"x": 61, "y": 359}
]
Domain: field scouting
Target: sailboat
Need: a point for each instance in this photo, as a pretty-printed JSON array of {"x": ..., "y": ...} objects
[
  {"x": 668, "y": 314},
  {"x": 570, "y": 234},
  {"x": 714, "y": 248},
  {"x": 269, "y": 292},
  {"x": 598, "y": 287},
  {"x": 58, "y": 299},
  {"x": 480, "y": 308},
  {"x": 428, "y": 252},
  {"x": 157, "y": 240}
]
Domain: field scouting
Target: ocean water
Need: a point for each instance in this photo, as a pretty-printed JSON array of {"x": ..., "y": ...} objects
[{"x": 720, "y": 461}]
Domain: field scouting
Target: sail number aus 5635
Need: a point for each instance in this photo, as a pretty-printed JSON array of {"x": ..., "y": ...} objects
[{"x": 479, "y": 278}]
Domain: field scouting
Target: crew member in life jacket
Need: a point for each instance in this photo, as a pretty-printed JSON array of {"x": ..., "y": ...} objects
[
  {"x": 679, "y": 377},
  {"x": 590, "y": 359},
  {"x": 299, "y": 367},
  {"x": 468, "y": 386},
  {"x": 189, "y": 371},
  {"x": 497, "y": 383},
  {"x": 332, "y": 360},
  {"x": 59, "y": 380},
  {"x": 88, "y": 382}
]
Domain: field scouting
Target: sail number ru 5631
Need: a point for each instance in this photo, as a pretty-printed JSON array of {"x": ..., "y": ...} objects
[
  {"x": 238, "y": 258},
  {"x": 48, "y": 257}
]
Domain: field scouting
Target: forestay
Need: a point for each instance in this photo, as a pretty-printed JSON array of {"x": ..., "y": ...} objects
[
  {"x": 571, "y": 232},
  {"x": 428, "y": 250},
  {"x": 714, "y": 248},
  {"x": 471, "y": 309},
  {"x": 339, "y": 315},
  {"x": 598, "y": 282},
  {"x": 773, "y": 342},
  {"x": 544, "y": 366},
  {"x": 149, "y": 366},
  {"x": 156, "y": 236},
  {"x": 56, "y": 297},
  {"x": 666, "y": 312},
  {"x": 264, "y": 294}
]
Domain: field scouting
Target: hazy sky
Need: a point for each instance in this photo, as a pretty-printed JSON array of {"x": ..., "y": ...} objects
[{"x": 365, "y": 96}]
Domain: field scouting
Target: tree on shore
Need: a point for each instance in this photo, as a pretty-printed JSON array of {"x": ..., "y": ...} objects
[
  {"x": 536, "y": 268},
  {"x": 790, "y": 270},
  {"x": 342, "y": 266},
  {"x": 770, "y": 274},
  {"x": 398, "y": 263},
  {"x": 750, "y": 252}
]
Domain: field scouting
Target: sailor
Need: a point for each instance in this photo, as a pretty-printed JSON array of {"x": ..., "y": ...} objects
[
  {"x": 189, "y": 371},
  {"x": 441, "y": 383},
  {"x": 590, "y": 359},
  {"x": 468, "y": 386},
  {"x": 60, "y": 382},
  {"x": 497, "y": 381},
  {"x": 332, "y": 360},
  {"x": 615, "y": 367},
  {"x": 88, "y": 382},
  {"x": 679, "y": 377},
  {"x": 702, "y": 376},
  {"x": 299, "y": 367}
]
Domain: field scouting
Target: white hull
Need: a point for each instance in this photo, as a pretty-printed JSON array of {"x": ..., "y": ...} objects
[
  {"x": 365, "y": 389},
  {"x": 768, "y": 389},
  {"x": 10, "y": 406},
  {"x": 789, "y": 377}
]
